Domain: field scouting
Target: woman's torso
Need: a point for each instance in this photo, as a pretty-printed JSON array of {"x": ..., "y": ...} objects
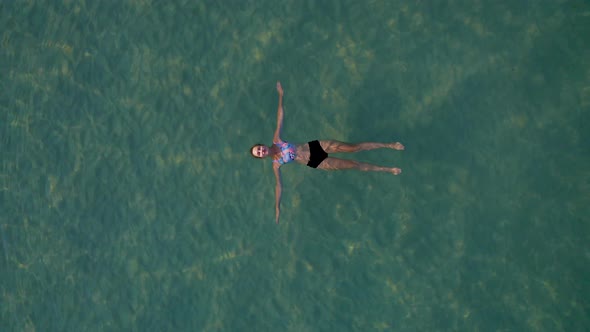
[{"x": 289, "y": 152}]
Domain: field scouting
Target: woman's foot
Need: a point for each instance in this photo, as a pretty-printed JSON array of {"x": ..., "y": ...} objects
[
  {"x": 396, "y": 171},
  {"x": 397, "y": 146}
]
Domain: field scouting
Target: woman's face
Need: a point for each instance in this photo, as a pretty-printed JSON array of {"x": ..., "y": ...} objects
[{"x": 260, "y": 151}]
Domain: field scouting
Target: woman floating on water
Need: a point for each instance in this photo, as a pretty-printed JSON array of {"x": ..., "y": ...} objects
[{"x": 315, "y": 154}]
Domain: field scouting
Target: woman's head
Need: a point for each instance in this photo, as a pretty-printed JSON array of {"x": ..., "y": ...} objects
[{"x": 259, "y": 151}]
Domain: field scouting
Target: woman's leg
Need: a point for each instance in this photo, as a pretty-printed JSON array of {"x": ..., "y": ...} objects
[
  {"x": 331, "y": 163},
  {"x": 331, "y": 146}
]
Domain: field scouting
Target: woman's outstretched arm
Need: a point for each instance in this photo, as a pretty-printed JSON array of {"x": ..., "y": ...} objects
[
  {"x": 278, "y": 190},
  {"x": 277, "y": 136}
]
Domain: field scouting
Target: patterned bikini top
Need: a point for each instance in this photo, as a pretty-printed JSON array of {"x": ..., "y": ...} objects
[{"x": 287, "y": 153}]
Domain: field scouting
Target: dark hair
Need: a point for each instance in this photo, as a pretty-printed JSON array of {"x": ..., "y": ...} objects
[{"x": 253, "y": 146}]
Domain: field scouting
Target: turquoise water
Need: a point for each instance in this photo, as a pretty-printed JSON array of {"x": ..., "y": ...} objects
[{"x": 130, "y": 202}]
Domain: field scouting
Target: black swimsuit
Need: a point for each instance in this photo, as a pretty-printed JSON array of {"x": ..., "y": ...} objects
[{"x": 316, "y": 154}]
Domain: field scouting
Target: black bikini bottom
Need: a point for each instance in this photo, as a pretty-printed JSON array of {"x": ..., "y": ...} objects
[{"x": 316, "y": 154}]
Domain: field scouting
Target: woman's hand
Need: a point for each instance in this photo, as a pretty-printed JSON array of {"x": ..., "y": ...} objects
[{"x": 279, "y": 88}]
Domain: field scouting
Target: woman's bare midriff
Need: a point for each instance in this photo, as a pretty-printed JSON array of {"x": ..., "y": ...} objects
[{"x": 302, "y": 153}]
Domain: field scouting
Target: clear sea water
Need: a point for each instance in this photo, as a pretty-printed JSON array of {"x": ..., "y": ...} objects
[{"x": 129, "y": 200}]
